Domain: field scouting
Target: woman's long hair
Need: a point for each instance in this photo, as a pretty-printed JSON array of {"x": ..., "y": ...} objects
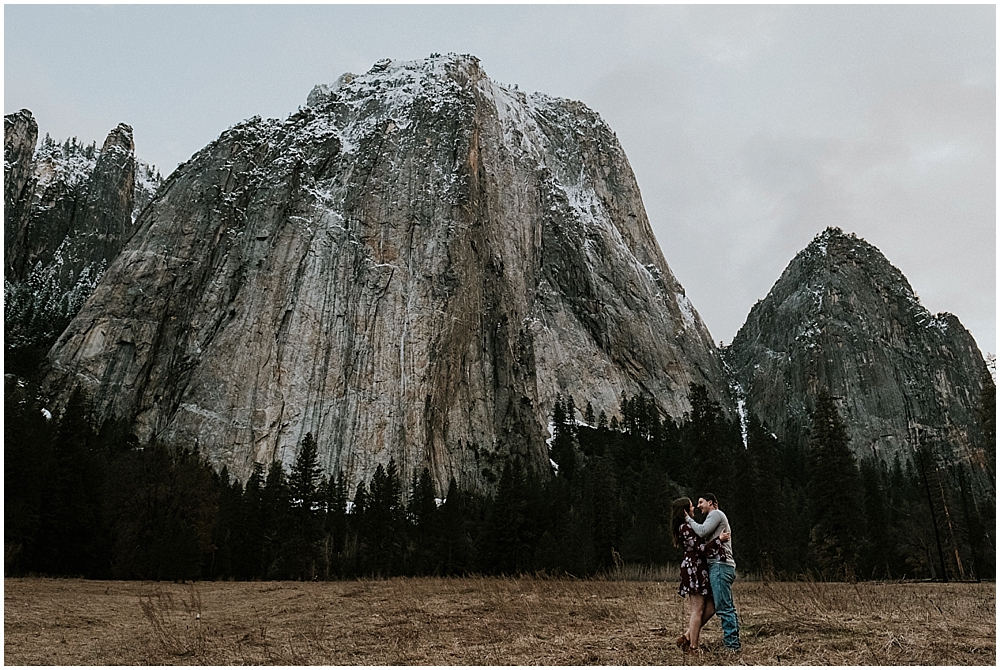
[{"x": 678, "y": 512}]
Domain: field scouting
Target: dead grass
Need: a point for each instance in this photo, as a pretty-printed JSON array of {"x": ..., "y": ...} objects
[{"x": 486, "y": 621}]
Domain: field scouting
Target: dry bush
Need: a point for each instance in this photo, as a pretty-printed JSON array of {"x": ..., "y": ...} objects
[
  {"x": 175, "y": 623},
  {"x": 617, "y": 620}
]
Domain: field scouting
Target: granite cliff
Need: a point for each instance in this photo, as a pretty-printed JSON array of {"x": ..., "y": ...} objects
[
  {"x": 68, "y": 210},
  {"x": 411, "y": 266},
  {"x": 841, "y": 317},
  {"x": 20, "y": 133}
]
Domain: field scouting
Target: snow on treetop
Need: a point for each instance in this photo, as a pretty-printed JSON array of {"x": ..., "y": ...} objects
[{"x": 70, "y": 162}]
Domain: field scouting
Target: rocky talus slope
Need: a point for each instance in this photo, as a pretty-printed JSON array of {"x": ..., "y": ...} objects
[
  {"x": 842, "y": 317},
  {"x": 411, "y": 266}
]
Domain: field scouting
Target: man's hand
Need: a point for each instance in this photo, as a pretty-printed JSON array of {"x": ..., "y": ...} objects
[{"x": 725, "y": 536}]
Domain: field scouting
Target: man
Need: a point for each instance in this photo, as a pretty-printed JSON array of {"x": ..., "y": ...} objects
[{"x": 721, "y": 570}]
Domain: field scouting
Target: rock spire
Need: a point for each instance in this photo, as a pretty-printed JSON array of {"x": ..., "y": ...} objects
[{"x": 68, "y": 210}]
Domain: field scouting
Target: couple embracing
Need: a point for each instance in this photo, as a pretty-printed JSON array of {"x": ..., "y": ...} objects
[{"x": 707, "y": 570}]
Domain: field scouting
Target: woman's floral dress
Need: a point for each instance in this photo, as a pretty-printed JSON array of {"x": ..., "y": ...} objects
[{"x": 694, "y": 565}]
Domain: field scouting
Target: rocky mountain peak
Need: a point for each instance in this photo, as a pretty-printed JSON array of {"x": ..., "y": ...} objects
[
  {"x": 76, "y": 209},
  {"x": 19, "y": 138},
  {"x": 403, "y": 78},
  {"x": 833, "y": 250},
  {"x": 119, "y": 139},
  {"x": 836, "y": 265},
  {"x": 412, "y": 266},
  {"x": 842, "y": 317}
]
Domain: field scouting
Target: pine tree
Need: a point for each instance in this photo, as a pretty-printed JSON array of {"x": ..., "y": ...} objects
[
  {"x": 513, "y": 524},
  {"x": 835, "y": 494},
  {"x": 29, "y": 464},
  {"x": 356, "y": 554},
  {"x": 247, "y": 559},
  {"x": 456, "y": 550},
  {"x": 756, "y": 503},
  {"x": 570, "y": 413},
  {"x": 194, "y": 508},
  {"x": 559, "y": 412},
  {"x": 162, "y": 505},
  {"x": 874, "y": 556},
  {"x": 551, "y": 554},
  {"x": 980, "y": 535},
  {"x": 275, "y": 513},
  {"x": 302, "y": 550},
  {"x": 360, "y": 500},
  {"x": 303, "y": 482},
  {"x": 385, "y": 518},
  {"x": 563, "y": 449},
  {"x": 602, "y": 489},
  {"x": 224, "y": 536},
  {"x": 647, "y": 533},
  {"x": 73, "y": 518},
  {"x": 709, "y": 445},
  {"x": 423, "y": 512},
  {"x": 335, "y": 524}
]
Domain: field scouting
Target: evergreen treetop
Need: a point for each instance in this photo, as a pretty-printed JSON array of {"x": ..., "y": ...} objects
[{"x": 835, "y": 492}]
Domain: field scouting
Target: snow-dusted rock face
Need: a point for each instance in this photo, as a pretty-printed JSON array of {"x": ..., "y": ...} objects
[
  {"x": 69, "y": 190},
  {"x": 412, "y": 266},
  {"x": 20, "y": 133},
  {"x": 80, "y": 212},
  {"x": 842, "y": 317}
]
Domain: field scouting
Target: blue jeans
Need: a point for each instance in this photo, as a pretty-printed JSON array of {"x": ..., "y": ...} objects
[{"x": 721, "y": 577}]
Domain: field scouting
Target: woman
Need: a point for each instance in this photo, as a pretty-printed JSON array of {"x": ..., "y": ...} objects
[{"x": 694, "y": 573}]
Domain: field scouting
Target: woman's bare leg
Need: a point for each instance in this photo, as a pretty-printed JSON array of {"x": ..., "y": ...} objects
[
  {"x": 709, "y": 610},
  {"x": 697, "y": 603}
]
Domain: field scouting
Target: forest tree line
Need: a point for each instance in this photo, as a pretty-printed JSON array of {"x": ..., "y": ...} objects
[{"x": 90, "y": 501}]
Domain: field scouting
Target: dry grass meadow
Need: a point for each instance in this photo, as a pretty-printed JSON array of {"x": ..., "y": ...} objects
[{"x": 487, "y": 621}]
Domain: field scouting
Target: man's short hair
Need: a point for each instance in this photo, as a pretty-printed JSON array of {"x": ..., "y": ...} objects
[{"x": 710, "y": 497}]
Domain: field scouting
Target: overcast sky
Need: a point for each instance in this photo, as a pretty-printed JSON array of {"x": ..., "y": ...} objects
[{"x": 750, "y": 128}]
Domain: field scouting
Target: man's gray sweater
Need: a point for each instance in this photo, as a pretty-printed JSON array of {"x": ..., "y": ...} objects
[{"x": 715, "y": 525}]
